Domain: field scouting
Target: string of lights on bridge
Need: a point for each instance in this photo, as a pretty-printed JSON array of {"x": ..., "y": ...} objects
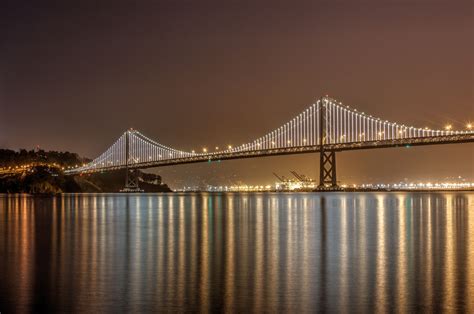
[{"x": 342, "y": 125}]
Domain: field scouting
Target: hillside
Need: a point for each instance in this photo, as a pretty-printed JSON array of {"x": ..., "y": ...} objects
[{"x": 40, "y": 172}]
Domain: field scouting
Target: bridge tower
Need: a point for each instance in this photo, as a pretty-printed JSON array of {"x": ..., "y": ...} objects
[
  {"x": 131, "y": 175},
  {"x": 327, "y": 158}
]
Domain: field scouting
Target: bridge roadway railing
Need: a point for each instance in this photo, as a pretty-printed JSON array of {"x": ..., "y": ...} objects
[{"x": 227, "y": 155}]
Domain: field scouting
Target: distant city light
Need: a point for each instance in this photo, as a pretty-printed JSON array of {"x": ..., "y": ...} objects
[{"x": 291, "y": 185}]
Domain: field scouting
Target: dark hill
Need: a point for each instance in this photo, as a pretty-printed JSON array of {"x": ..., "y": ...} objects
[{"x": 39, "y": 172}]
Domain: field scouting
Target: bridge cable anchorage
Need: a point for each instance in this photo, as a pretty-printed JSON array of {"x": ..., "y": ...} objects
[{"x": 325, "y": 126}]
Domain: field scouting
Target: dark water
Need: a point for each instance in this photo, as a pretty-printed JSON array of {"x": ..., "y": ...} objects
[{"x": 372, "y": 252}]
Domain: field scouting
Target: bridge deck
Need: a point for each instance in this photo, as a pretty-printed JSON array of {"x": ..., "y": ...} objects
[{"x": 438, "y": 140}]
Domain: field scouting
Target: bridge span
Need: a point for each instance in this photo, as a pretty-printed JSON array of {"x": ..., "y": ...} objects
[{"x": 326, "y": 127}]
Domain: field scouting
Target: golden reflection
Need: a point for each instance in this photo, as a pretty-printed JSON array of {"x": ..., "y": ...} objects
[
  {"x": 230, "y": 256},
  {"x": 24, "y": 225},
  {"x": 136, "y": 247},
  {"x": 362, "y": 234},
  {"x": 54, "y": 232},
  {"x": 470, "y": 253},
  {"x": 151, "y": 228},
  {"x": 171, "y": 246},
  {"x": 204, "y": 249},
  {"x": 381, "y": 258},
  {"x": 259, "y": 248},
  {"x": 63, "y": 231},
  {"x": 290, "y": 251},
  {"x": 194, "y": 244},
  {"x": 306, "y": 260},
  {"x": 181, "y": 247},
  {"x": 402, "y": 256},
  {"x": 274, "y": 284},
  {"x": 343, "y": 257},
  {"x": 428, "y": 251},
  {"x": 244, "y": 266},
  {"x": 93, "y": 246},
  {"x": 449, "y": 279},
  {"x": 160, "y": 252}
]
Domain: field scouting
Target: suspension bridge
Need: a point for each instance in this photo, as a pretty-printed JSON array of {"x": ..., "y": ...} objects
[{"x": 326, "y": 127}]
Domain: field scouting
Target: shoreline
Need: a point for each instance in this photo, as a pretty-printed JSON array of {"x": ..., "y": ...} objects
[{"x": 246, "y": 192}]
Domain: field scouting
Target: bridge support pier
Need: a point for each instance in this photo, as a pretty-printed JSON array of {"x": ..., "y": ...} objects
[
  {"x": 327, "y": 171},
  {"x": 131, "y": 181}
]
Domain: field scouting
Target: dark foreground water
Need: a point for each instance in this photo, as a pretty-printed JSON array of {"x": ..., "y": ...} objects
[{"x": 337, "y": 252}]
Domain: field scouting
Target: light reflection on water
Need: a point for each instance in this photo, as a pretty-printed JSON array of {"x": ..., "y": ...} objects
[{"x": 269, "y": 252}]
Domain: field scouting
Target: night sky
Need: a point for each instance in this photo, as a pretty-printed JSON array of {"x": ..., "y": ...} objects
[{"x": 74, "y": 75}]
